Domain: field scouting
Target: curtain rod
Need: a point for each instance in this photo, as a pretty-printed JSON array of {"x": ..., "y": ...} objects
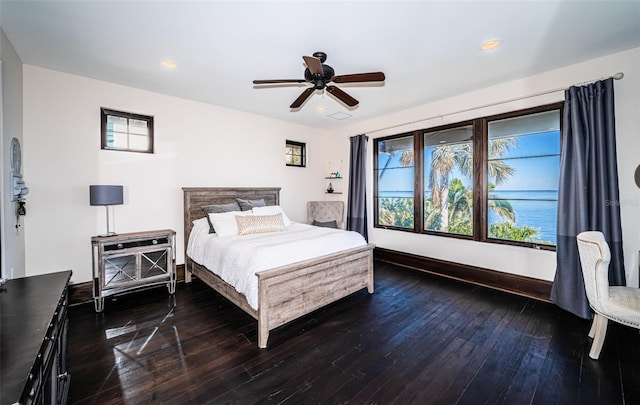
[{"x": 616, "y": 76}]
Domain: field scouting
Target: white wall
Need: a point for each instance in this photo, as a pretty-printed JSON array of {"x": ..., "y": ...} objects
[
  {"x": 196, "y": 144},
  {"x": 13, "y": 243},
  {"x": 203, "y": 145},
  {"x": 511, "y": 259}
]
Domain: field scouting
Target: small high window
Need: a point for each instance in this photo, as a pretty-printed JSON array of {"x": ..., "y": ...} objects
[
  {"x": 295, "y": 154},
  {"x": 126, "y": 131}
]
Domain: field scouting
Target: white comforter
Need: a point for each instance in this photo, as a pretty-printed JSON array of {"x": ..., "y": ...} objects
[{"x": 236, "y": 259}]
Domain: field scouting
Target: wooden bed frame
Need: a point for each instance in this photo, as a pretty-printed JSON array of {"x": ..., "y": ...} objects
[{"x": 288, "y": 292}]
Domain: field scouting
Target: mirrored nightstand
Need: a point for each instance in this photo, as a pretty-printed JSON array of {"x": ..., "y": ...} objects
[{"x": 128, "y": 261}]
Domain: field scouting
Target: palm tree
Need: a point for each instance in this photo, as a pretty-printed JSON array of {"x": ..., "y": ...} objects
[
  {"x": 446, "y": 158},
  {"x": 460, "y": 202},
  {"x": 460, "y": 205},
  {"x": 498, "y": 147},
  {"x": 501, "y": 207}
]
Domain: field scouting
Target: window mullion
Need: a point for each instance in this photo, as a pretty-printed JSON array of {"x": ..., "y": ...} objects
[
  {"x": 418, "y": 206},
  {"x": 480, "y": 153}
]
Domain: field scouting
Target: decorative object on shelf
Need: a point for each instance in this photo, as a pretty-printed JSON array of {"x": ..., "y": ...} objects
[
  {"x": 336, "y": 174},
  {"x": 106, "y": 195},
  {"x": 330, "y": 188}
]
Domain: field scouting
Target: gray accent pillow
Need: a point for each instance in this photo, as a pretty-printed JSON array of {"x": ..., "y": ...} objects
[
  {"x": 216, "y": 209},
  {"x": 247, "y": 205},
  {"x": 328, "y": 224}
]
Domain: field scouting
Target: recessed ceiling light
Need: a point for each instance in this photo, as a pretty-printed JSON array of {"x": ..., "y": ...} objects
[
  {"x": 320, "y": 108},
  {"x": 168, "y": 63},
  {"x": 490, "y": 44}
]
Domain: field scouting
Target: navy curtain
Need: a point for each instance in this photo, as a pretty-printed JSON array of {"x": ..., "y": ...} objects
[
  {"x": 357, "y": 202},
  {"x": 588, "y": 196}
]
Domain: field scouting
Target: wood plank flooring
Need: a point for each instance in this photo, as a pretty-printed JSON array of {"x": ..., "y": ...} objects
[{"x": 420, "y": 339}]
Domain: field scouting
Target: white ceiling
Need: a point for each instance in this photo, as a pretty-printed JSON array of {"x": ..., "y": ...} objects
[{"x": 428, "y": 50}]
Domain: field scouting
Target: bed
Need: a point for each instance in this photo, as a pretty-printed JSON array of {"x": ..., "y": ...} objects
[{"x": 287, "y": 292}]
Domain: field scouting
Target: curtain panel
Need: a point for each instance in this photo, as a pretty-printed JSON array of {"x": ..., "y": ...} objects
[
  {"x": 357, "y": 200},
  {"x": 588, "y": 194}
]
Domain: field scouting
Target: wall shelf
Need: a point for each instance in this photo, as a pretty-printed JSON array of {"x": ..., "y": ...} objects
[{"x": 332, "y": 178}]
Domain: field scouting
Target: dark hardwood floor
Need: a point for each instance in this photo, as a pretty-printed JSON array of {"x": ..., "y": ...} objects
[{"x": 419, "y": 339}]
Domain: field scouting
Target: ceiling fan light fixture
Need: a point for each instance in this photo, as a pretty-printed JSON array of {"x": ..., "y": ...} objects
[{"x": 490, "y": 44}]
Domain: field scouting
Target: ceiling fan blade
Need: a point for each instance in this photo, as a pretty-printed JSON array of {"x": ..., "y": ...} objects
[
  {"x": 303, "y": 97},
  {"x": 359, "y": 77},
  {"x": 342, "y": 96},
  {"x": 314, "y": 65},
  {"x": 279, "y": 81}
]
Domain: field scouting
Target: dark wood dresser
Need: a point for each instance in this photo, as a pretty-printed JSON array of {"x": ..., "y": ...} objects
[{"x": 33, "y": 340}]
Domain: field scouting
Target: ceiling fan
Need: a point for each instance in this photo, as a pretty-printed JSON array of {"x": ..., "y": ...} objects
[{"x": 319, "y": 74}]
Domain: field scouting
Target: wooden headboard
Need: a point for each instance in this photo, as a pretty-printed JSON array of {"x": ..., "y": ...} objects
[{"x": 196, "y": 197}]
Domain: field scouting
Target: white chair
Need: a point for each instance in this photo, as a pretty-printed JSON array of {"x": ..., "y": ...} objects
[
  {"x": 619, "y": 304},
  {"x": 326, "y": 212}
]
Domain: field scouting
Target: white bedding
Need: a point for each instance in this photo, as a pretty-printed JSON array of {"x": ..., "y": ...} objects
[{"x": 237, "y": 258}]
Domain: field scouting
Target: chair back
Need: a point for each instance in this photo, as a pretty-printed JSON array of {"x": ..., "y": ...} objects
[
  {"x": 594, "y": 258},
  {"x": 326, "y": 211}
]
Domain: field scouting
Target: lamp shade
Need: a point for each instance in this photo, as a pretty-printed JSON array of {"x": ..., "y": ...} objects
[{"x": 105, "y": 195}]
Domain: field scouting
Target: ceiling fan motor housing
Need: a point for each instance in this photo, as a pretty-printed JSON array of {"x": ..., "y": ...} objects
[
  {"x": 320, "y": 81},
  {"x": 320, "y": 55}
]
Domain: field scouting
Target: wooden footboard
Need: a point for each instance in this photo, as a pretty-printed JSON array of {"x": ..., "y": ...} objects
[{"x": 287, "y": 292}]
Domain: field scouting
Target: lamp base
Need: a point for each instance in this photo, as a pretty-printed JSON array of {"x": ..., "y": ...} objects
[{"x": 107, "y": 235}]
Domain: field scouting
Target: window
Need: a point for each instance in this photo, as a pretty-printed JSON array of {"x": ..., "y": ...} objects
[
  {"x": 492, "y": 179},
  {"x": 126, "y": 132},
  {"x": 295, "y": 154},
  {"x": 394, "y": 174},
  {"x": 522, "y": 177},
  {"x": 448, "y": 180}
]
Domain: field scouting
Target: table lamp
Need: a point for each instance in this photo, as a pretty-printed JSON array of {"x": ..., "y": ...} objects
[{"x": 105, "y": 195}]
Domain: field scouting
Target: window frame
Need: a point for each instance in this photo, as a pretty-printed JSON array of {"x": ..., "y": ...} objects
[
  {"x": 420, "y": 134},
  {"x": 416, "y": 166},
  {"x": 106, "y": 112},
  {"x": 480, "y": 182},
  {"x": 303, "y": 157}
]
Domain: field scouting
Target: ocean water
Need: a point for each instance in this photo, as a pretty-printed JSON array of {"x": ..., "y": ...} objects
[{"x": 535, "y": 208}]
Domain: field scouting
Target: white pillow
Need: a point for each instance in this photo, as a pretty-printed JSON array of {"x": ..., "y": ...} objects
[
  {"x": 271, "y": 210},
  {"x": 248, "y": 224},
  {"x": 225, "y": 222},
  {"x": 200, "y": 226}
]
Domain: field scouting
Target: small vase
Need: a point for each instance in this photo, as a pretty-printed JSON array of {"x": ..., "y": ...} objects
[{"x": 330, "y": 188}]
